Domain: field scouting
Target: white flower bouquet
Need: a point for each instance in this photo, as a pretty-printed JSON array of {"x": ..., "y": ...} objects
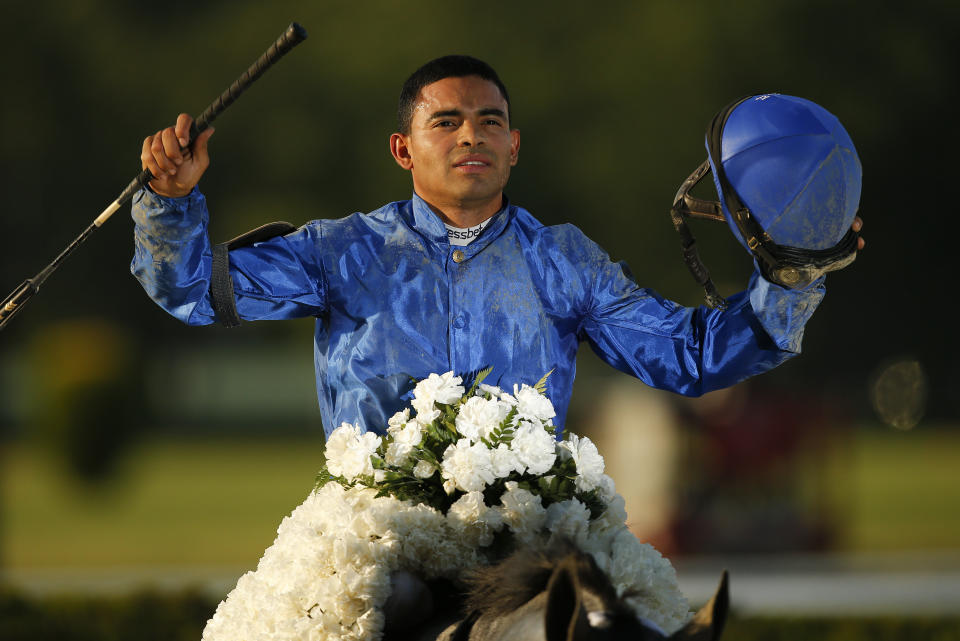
[{"x": 463, "y": 479}]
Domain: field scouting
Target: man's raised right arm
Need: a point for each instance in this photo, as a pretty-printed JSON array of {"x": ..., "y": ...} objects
[{"x": 173, "y": 258}]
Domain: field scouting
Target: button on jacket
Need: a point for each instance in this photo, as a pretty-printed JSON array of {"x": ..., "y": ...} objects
[{"x": 394, "y": 300}]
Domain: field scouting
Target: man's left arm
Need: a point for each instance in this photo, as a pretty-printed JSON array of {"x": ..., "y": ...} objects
[{"x": 695, "y": 350}]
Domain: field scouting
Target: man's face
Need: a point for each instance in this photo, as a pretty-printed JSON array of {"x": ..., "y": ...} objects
[{"x": 460, "y": 147}]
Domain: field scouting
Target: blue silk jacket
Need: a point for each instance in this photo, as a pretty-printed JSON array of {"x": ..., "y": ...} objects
[{"x": 394, "y": 300}]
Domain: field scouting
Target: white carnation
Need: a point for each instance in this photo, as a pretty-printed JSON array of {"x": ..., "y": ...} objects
[
  {"x": 607, "y": 487},
  {"x": 616, "y": 511},
  {"x": 569, "y": 519},
  {"x": 532, "y": 405},
  {"x": 523, "y": 511},
  {"x": 504, "y": 461},
  {"x": 467, "y": 466},
  {"x": 327, "y": 574},
  {"x": 473, "y": 521},
  {"x": 535, "y": 448},
  {"x": 398, "y": 420},
  {"x": 636, "y": 565},
  {"x": 348, "y": 451},
  {"x": 424, "y": 469},
  {"x": 426, "y": 414},
  {"x": 477, "y": 417},
  {"x": 488, "y": 390},
  {"x": 405, "y": 440},
  {"x": 436, "y": 388},
  {"x": 588, "y": 460},
  {"x": 396, "y": 454}
]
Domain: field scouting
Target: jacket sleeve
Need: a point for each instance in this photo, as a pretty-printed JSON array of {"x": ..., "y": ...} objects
[
  {"x": 275, "y": 279},
  {"x": 694, "y": 350}
]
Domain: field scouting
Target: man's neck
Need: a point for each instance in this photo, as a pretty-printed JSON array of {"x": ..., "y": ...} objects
[{"x": 465, "y": 215}]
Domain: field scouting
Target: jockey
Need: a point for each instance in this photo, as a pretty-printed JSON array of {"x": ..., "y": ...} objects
[{"x": 458, "y": 277}]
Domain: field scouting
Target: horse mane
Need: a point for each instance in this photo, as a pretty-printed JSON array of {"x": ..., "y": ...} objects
[{"x": 502, "y": 588}]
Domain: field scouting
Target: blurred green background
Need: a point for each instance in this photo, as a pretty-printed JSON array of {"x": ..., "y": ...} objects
[{"x": 130, "y": 442}]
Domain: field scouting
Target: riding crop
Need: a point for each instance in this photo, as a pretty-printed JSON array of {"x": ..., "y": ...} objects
[{"x": 294, "y": 35}]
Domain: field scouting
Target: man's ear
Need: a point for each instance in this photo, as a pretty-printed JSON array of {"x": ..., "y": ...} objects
[
  {"x": 400, "y": 150},
  {"x": 514, "y": 146}
]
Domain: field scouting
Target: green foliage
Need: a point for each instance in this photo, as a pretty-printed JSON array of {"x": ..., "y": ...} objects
[
  {"x": 504, "y": 433},
  {"x": 323, "y": 476},
  {"x": 541, "y": 385},
  {"x": 477, "y": 378},
  {"x": 144, "y": 616}
]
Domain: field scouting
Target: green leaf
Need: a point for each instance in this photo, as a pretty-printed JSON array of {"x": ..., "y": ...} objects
[
  {"x": 593, "y": 502},
  {"x": 508, "y": 420},
  {"x": 482, "y": 374},
  {"x": 502, "y": 434},
  {"x": 428, "y": 454},
  {"x": 541, "y": 385},
  {"x": 323, "y": 477}
]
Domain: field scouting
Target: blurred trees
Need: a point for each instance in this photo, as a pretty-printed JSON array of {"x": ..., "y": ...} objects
[
  {"x": 612, "y": 100},
  {"x": 87, "y": 394}
]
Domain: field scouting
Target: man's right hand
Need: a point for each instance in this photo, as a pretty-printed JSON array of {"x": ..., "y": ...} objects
[{"x": 175, "y": 171}]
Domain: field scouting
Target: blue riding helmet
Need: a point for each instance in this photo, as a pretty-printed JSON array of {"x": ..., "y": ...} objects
[{"x": 788, "y": 178}]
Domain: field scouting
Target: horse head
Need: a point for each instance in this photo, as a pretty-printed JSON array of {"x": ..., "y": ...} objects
[{"x": 561, "y": 595}]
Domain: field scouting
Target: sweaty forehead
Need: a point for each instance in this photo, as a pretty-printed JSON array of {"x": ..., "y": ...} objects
[{"x": 468, "y": 93}]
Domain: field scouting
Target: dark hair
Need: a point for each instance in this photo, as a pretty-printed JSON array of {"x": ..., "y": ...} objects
[{"x": 438, "y": 69}]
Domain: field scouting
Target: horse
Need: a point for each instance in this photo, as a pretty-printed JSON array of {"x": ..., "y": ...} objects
[{"x": 559, "y": 594}]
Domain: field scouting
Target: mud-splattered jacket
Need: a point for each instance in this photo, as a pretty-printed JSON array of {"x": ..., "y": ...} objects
[{"x": 394, "y": 300}]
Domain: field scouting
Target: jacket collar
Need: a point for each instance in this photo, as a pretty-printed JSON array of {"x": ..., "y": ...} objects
[{"x": 429, "y": 224}]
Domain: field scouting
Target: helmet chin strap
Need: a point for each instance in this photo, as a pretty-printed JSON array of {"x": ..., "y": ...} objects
[{"x": 685, "y": 205}]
